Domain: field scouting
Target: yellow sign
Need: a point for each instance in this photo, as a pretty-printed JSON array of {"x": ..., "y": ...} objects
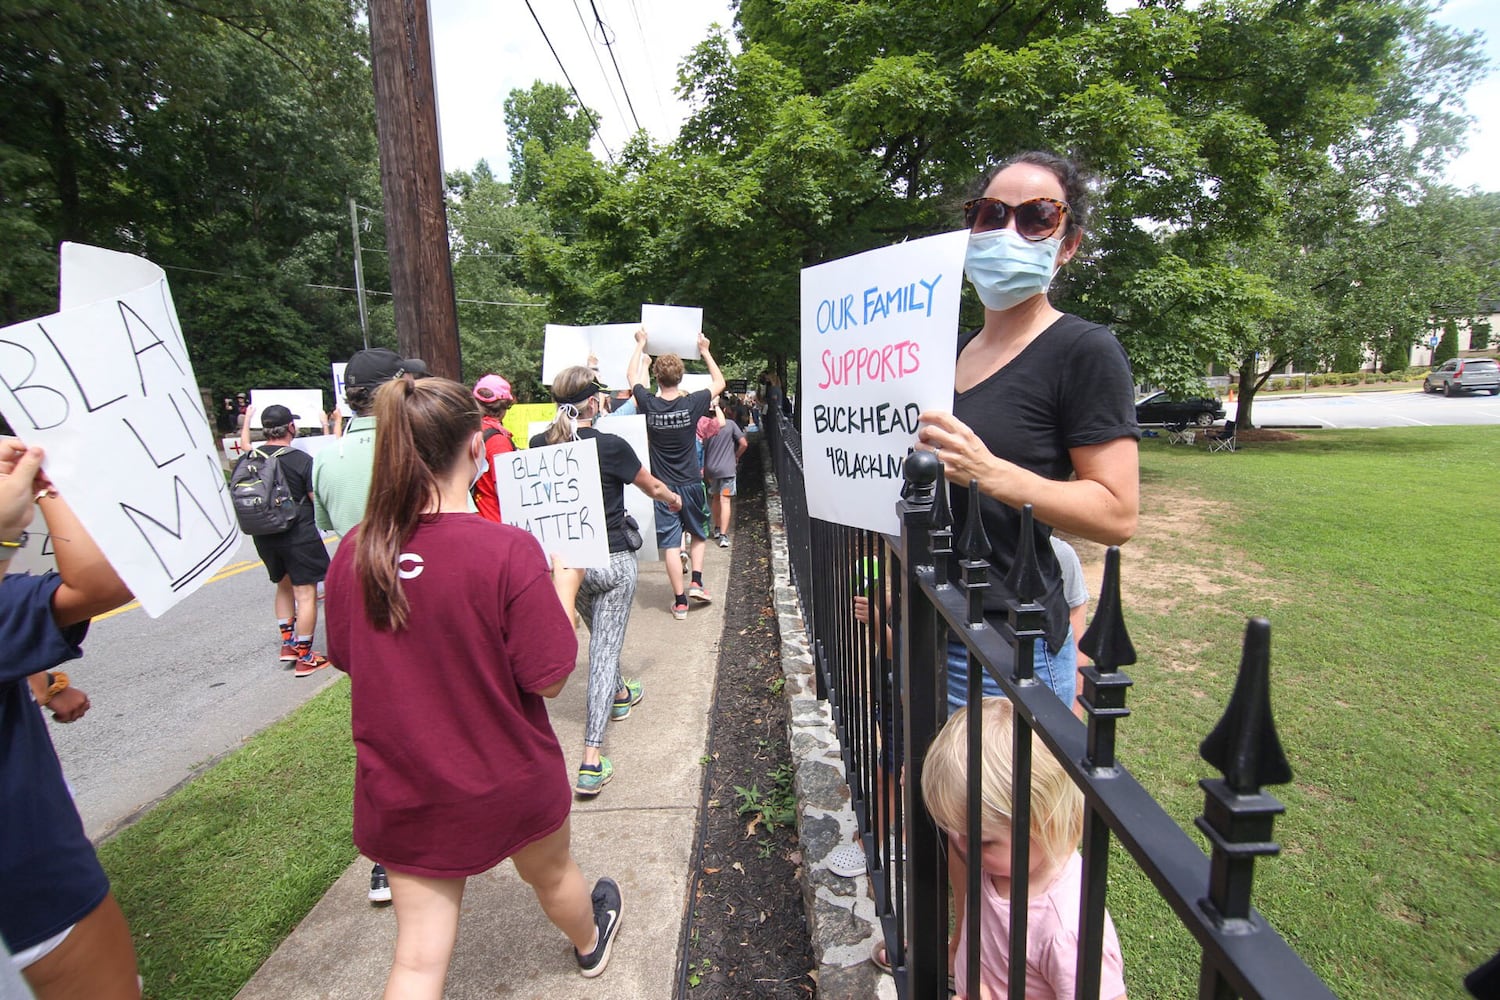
[{"x": 519, "y": 418}]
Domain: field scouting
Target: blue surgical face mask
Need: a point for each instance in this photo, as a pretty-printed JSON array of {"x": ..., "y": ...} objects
[
  {"x": 481, "y": 466},
  {"x": 1007, "y": 269}
]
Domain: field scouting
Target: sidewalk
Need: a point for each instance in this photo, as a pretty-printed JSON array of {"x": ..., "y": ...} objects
[{"x": 640, "y": 831}]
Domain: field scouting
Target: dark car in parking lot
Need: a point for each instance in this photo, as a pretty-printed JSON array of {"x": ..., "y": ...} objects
[
  {"x": 1458, "y": 375},
  {"x": 1160, "y": 408}
]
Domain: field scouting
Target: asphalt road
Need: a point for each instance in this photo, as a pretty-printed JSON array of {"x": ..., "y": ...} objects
[
  {"x": 171, "y": 694},
  {"x": 1400, "y": 408}
]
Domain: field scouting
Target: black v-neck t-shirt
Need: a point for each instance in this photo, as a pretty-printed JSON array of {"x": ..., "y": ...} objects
[{"x": 1068, "y": 388}]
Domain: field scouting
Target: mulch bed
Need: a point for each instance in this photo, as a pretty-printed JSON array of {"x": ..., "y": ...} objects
[{"x": 747, "y": 935}]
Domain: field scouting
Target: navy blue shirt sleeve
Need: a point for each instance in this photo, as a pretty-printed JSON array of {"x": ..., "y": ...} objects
[
  {"x": 50, "y": 877},
  {"x": 31, "y": 639}
]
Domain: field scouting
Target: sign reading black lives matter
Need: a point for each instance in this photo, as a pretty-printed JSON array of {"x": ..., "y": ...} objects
[
  {"x": 104, "y": 385},
  {"x": 555, "y": 493},
  {"x": 879, "y": 338}
]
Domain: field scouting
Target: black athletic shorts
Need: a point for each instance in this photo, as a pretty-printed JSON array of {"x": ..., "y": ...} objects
[{"x": 304, "y": 560}]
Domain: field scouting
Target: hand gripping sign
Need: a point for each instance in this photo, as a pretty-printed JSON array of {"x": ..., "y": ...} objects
[
  {"x": 879, "y": 336},
  {"x": 105, "y": 386}
]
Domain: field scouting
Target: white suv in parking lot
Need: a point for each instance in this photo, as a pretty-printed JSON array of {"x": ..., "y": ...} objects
[{"x": 1464, "y": 375}]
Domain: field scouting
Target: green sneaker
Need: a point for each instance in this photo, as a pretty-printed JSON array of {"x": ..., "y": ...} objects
[
  {"x": 632, "y": 696},
  {"x": 592, "y": 779}
]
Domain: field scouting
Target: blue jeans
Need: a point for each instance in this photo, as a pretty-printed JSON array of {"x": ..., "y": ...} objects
[{"x": 1058, "y": 671}]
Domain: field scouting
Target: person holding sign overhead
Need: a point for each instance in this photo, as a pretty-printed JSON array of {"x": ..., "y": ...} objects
[
  {"x": 671, "y": 432},
  {"x": 453, "y": 636},
  {"x": 1043, "y": 408},
  {"x": 605, "y": 595}
]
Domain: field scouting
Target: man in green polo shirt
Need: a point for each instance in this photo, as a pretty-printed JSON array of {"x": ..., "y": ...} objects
[
  {"x": 341, "y": 477},
  {"x": 341, "y": 473}
]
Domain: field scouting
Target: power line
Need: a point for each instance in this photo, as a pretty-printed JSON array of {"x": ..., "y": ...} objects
[
  {"x": 466, "y": 227},
  {"x": 470, "y": 302},
  {"x": 655, "y": 90},
  {"x": 597, "y": 61},
  {"x": 604, "y": 37},
  {"x": 368, "y": 291},
  {"x": 583, "y": 107}
]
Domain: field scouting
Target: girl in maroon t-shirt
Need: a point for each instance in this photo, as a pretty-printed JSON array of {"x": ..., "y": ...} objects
[{"x": 457, "y": 767}]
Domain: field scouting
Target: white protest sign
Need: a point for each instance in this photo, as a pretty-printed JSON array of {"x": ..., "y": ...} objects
[
  {"x": 637, "y": 504},
  {"x": 313, "y": 443},
  {"x": 879, "y": 336},
  {"x": 338, "y": 389},
  {"x": 693, "y": 381},
  {"x": 672, "y": 329},
  {"x": 106, "y": 387},
  {"x": 555, "y": 494},
  {"x": 307, "y": 404},
  {"x": 611, "y": 344},
  {"x": 232, "y": 448}
]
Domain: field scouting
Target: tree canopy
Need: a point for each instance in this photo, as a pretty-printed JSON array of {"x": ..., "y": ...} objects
[
  {"x": 1265, "y": 171},
  {"x": 220, "y": 140},
  {"x": 1265, "y": 187}
]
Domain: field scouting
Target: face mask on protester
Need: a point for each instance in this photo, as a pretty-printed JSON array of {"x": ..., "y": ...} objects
[
  {"x": 1006, "y": 269},
  {"x": 481, "y": 466}
]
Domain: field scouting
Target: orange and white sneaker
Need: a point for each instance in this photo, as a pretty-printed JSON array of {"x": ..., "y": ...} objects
[{"x": 309, "y": 661}]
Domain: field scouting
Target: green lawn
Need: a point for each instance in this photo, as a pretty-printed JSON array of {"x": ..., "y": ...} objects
[
  {"x": 213, "y": 878},
  {"x": 1373, "y": 555}
]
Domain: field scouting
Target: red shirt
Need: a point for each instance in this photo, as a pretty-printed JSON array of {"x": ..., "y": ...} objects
[
  {"x": 457, "y": 766},
  {"x": 484, "y": 490}
]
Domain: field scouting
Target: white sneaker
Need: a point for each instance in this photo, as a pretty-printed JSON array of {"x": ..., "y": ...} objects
[
  {"x": 686, "y": 562},
  {"x": 723, "y": 541}
]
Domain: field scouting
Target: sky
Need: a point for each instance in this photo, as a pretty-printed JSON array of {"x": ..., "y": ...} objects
[{"x": 483, "y": 49}]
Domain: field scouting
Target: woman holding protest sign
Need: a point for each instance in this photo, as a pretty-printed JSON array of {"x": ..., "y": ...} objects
[
  {"x": 605, "y": 595},
  {"x": 1043, "y": 407},
  {"x": 452, "y": 635}
]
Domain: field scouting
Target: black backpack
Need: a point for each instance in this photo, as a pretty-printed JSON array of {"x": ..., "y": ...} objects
[{"x": 262, "y": 501}]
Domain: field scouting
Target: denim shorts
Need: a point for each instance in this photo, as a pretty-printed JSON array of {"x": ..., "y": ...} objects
[
  {"x": 1058, "y": 671},
  {"x": 692, "y": 519}
]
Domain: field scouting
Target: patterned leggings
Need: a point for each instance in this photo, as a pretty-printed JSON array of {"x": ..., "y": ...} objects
[{"x": 604, "y": 601}]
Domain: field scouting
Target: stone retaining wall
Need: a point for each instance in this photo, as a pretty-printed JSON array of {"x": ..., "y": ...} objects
[{"x": 840, "y": 911}]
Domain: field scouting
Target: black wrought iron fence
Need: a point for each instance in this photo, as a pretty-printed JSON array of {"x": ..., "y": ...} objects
[{"x": 881, "y": 611}]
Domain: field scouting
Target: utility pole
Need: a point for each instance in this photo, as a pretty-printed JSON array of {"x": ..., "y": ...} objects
[
  {"x": 411, "y": 178},
  {"x": 359, "y": 276}
]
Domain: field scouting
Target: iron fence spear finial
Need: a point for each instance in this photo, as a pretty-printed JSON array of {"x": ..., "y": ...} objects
[{"x": 1244, "y": 745}]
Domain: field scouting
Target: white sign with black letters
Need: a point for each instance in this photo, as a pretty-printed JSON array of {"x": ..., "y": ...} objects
[
  {"x": 106, "y": 387},
  {"x": 555, "y": 494}
]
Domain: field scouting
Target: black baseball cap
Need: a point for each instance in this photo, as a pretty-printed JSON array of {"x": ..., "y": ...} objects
[
  {"x": 277, "y": 415},
  {"x": 372, "y": 367}
]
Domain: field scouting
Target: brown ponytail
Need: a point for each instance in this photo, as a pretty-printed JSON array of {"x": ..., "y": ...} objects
[{"x": 421, "y": 429}]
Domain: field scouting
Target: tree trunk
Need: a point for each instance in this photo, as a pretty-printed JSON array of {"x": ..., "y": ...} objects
[{"x": 1244, "y": 414}]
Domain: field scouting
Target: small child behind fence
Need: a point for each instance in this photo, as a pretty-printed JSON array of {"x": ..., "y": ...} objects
[{"x": 1056, "y": 868}]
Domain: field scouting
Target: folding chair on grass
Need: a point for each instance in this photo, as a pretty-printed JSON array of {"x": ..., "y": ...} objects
[{"x": 1222, "y": 439}]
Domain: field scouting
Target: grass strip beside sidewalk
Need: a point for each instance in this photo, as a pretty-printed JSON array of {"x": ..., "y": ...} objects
[{"x": 217, "y": 875}]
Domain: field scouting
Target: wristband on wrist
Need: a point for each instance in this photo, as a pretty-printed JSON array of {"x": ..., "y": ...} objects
[{"x": 57, "y": 683}]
